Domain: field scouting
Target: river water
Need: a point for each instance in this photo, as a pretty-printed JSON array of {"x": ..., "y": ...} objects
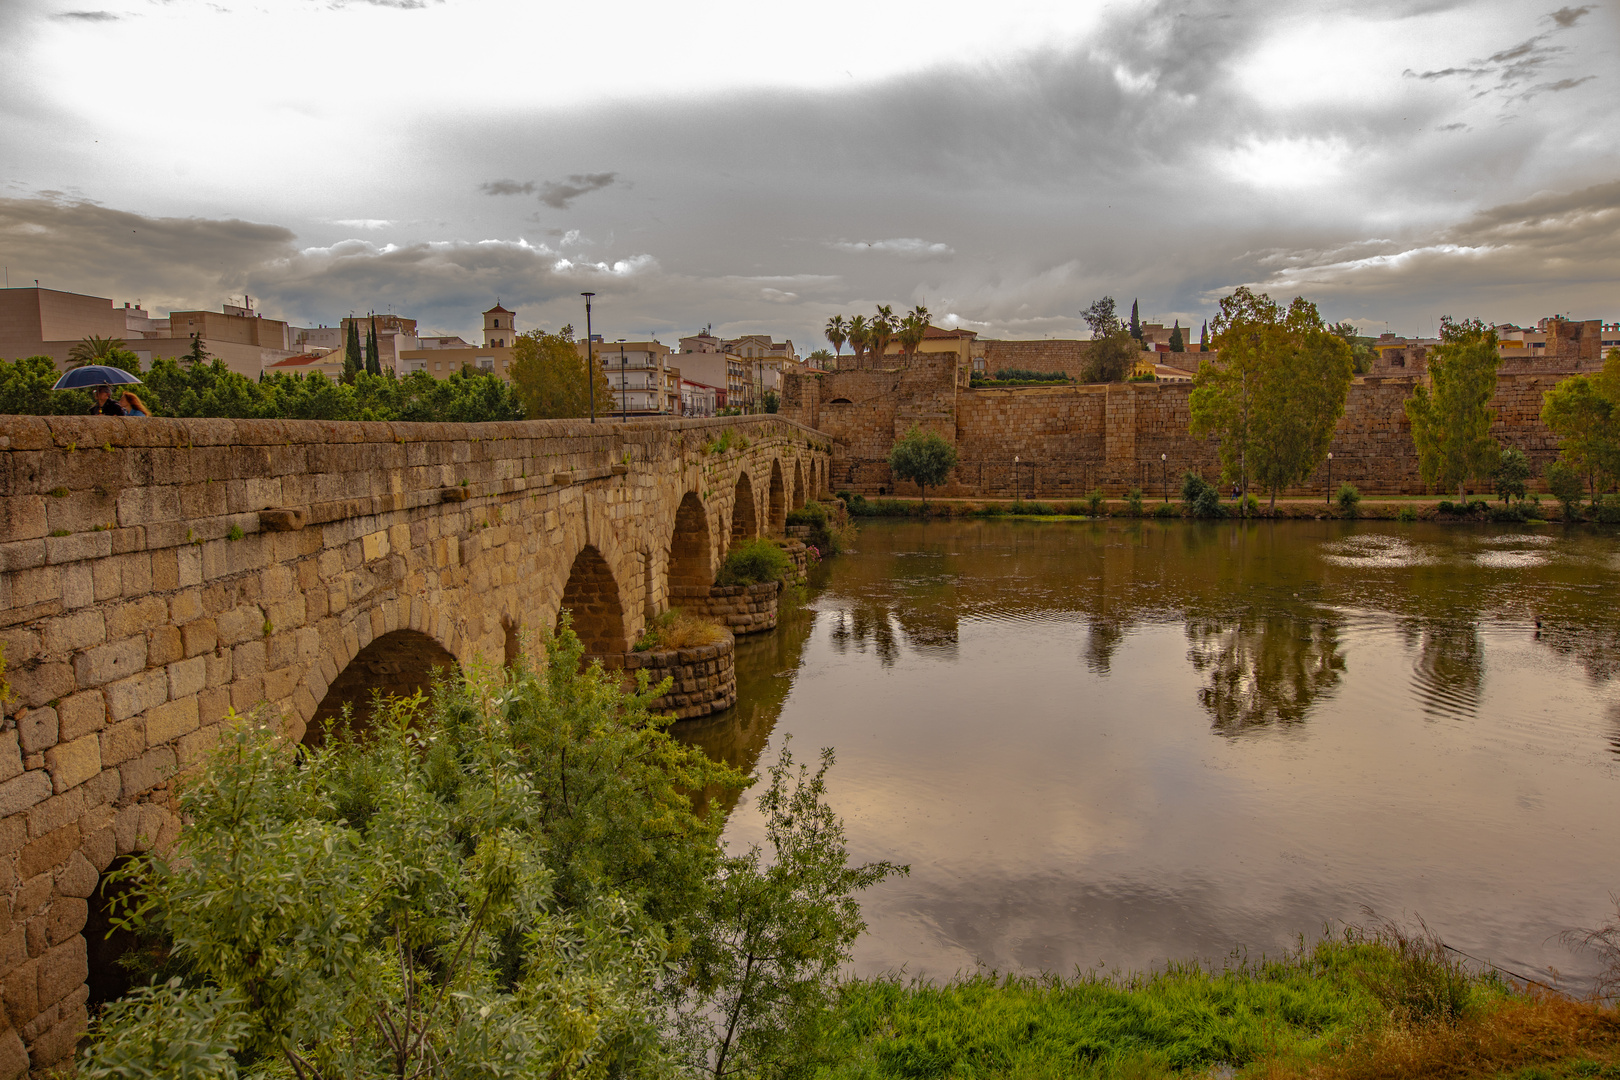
[{"x": 1113, "y": 744}]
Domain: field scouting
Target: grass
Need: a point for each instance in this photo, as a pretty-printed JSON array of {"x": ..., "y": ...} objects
[
  {"x": 1358, "y": 1006},
  {"x": 754, "y": 562},
  {"x": 675, "y": 629}
]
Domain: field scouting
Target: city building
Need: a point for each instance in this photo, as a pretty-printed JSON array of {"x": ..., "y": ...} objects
[
  {"x": 700, "y": 399},
  {"x": 644, "y": 381},
  {"x": 325, "y": 361},
  {"x": 442, "y": 355},
  {"x": 705, "y": 359},
  {"x": 49, "y": 322}
]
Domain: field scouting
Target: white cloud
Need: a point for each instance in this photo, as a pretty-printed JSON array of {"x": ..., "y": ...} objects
[
  {"x": 363, "y": 223},
  {"x": 905, "y": 247}
]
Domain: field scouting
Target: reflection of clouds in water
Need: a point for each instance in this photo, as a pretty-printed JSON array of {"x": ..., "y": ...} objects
[
  {"x": 1375, "y": 550},
  {"x": 1510, "y": 560},
  {"x": 1517, "y": 540},
  {"x": 1449, "y": 673}
]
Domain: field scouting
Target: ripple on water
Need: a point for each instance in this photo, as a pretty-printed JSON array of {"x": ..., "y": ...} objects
[
  {"x": 1511, "y": 560},
  {"x": 1369, "y": 550}
]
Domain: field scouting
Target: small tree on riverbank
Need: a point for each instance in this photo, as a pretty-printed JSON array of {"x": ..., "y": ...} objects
[
  {"x": 1451, "y": 415},
  {"x": 924, "y": 458}
]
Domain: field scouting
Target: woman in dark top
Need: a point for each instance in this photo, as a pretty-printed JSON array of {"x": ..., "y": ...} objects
[{"x": 105, "y": 405}]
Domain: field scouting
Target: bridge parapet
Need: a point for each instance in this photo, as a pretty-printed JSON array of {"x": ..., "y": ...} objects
[{"x": 156, "y": 573}]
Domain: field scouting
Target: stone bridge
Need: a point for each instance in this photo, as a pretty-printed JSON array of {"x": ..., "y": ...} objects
[{"x": 155, "y": 573}]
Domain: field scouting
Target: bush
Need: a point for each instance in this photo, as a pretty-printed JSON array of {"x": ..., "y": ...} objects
[
  {"x": 754, "y": 562},
  {"x": 1608, "y": 511},
  {"x": 1030, "y": 509},
  {"x": 1096, "y": 503},
  {"x": 1348, "y": 499},
  {"x": 1165, "y": 510},
  {"x": 1512, "y": 470},
  {"x": 1567, "y": 486},
  {"x": 830, "y": 527},
  {"x": 1202, "y": 498},
  {"x": 992, "y": 510},
  {"x": 1133, "y": 502},
  {"x": 675, "y": 629},
  {"x": 1406, "y": 513},
  {"x": 1506, "y": 514}
]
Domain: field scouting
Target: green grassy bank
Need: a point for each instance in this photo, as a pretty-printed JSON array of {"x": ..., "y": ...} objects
[
  {"x": 1357, "y": 1006},
  {"x": 1394, "y": 508}
]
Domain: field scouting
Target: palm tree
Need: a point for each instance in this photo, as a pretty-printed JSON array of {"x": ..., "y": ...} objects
[
  {"x": 93, "y": 350},
  {"x": 880, "y": 331},
  {"x": 912, "y": 332},
  {"x": 837, "y": 333},
  {"x": 859, "y": 337}
]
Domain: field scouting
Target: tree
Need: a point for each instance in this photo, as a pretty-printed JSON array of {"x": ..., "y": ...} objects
[
  {"x": 1112, "y": 352},
  {"x": 25, "y": 390},
  {"x": 94, "y": 350},
  {"x": 1451, "y": 415},
  {"x": 1176, "y": 342},
  {"x": 772, "y": 401},
  {"x": 196, "y": 354},
  {"x": 1584, "y": 412},
  {"x": 837, "y": 333},
  {"x": 551, "y": 378},
  {"x": 373, "y": 353},
  {"x": 1360, "y": 351},
  {"x": 1566, "y": 485},
  {"x": 1512, "y": 470},
  {"x": 1136, "y": 322},
  {"x": 1276, "y": 392},
  {"x": 352, "y": 362},
  {"x": 880, "y": 330},
  {"x": 924, "y": 458},
  {"x": 1203, "y": 337},
  {"x": 913, "y": 329},
  {"x": 858, "y": 337},
  {"x": 822, "y": 358}
]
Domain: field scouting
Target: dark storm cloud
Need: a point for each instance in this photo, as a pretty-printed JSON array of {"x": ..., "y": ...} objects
[
  {"x": 1567, "y": 17},
  {"x": 557, "y": 194},
  {"x": 507, "y": 187}
]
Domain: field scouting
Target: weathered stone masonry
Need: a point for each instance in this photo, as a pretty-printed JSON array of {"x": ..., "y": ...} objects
[{"x": 156, "y": 573}]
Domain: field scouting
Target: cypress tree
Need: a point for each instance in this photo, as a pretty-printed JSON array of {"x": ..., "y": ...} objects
[
  {"x": 351, "y": 354},
  {"x": 373, "y": 356},
  {"x": 1203, "y": 337},
  {"x": 1176, "y": 342},
  {"x": 1136, "y": 323}
]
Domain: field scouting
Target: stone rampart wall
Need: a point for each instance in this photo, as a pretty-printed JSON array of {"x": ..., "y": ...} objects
[{"x": 742, "y": 609}]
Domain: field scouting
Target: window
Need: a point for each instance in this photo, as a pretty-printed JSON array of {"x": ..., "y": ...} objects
[{"x": 438, "y": 367}]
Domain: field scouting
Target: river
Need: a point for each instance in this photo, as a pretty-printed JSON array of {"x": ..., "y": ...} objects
[{"x": 1106, "y": 745}]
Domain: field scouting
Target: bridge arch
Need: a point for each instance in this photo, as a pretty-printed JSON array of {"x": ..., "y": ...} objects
[
  {"x": 777, "y": 522},
  {"x": 691, "y": 549},
  {"x": 398, "y": 663},
  {"x": 591, "y": 594},
  {"x": 744, "y": 518}
]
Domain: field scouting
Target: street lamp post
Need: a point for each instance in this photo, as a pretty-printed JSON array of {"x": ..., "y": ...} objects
[
  {"x": 1017, "y": 492},
  {"x": 624, "y": 398},
  {"x": 1164, "y": 475},
  {"x": 590, "y": 354},
  {"x": 1329, "y": 499}
]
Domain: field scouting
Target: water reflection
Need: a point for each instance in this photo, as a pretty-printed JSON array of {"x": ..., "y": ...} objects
[
  {"x": 1043, "y": 719},
  {"x": 1263, "y": 668}
]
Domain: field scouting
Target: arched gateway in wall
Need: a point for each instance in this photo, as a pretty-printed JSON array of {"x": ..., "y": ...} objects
[{"x": 186, "y": 568}]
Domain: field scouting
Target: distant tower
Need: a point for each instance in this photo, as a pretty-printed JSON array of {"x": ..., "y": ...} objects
[{"x": 498, "y": 328}]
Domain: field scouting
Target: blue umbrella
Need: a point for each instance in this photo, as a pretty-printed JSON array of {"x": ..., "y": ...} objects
[{"x": 94, "y": 375}]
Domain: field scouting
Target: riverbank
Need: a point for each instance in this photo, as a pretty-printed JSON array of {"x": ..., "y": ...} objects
[
  {"x": 1401, "y": 508},
  {"x": 1358, "y": 1006}
]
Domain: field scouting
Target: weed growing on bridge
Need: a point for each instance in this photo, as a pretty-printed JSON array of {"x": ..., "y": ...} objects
[
  {"x": 754, "y": 562},
  {"x": 506, "y": 881},
  {"x": 676, "y": 629}
]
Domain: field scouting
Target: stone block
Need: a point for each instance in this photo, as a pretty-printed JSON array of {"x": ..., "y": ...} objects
[
  {"x": 13, "y": 1057},
  {"x": 194, "y": 747},
  {"x": 100, "y": 848},
  {"x": 122, "y": 741},
  {"x": 37, "y": 684},
  {"x": 199, "y": 637},
  {"x": 11, "y": 762},
  {"x": 81, "y": 714},
  {"x": 20, "y": 992},
  {"x": 37, "y": 730},
  {"x": 132, "y": 696},
  {"x": 62, "y": 970},
  {"x": 78, "y": 877},
  {"x": 70, "y": 633},
  {"x": 165, "y": 570},
  {"x": 13, "y": 833},
  {"x": 148, "y": 770},
  {"x": 136, "y": 617},
  {"x": 163, "y": 646},
  {"x": 105, "y": 663},
  {"x": 66, "y": 918},
  {"x": 21, "y": 792},
  {"x": 71, "y": 764},
  {"x": 48, "y": 852},
  {"x": 78, "y": 547},
  {"x": 187, "y": 677},
  {"x": 56, "y": 1045},
  {"x": 170, "y": 721}
]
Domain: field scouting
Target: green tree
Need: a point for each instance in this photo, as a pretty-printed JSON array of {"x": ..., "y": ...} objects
[
  {"x": 1450, "y": 410},
  {"x": 1111, "y": 355},
  {"x": 1203, "y": 337},
  {"x": 373, "y": 354},
  {"x": 1361, "y": 351},
  {"x": 912, "y": 330},
  {"x": 859, "y": 336},
  {"x": 837, "y": 333},
  {"x": 924, "y": 458},
  {"x": 823, "y": 358},
  {"x": 353, "y": 364},
  {"x": 1136, "y": 322},
  {"x": 94, "y": 350},
  {"x": 550, "y": 377},
  {"x": 880, "y": 330},
  {"x": 1177, "y": 344},
  {"x": 196, "y": 354},
  {"x": 1512, "y": 470},
  {"x": 1587, "y": 423},
  {"x": 25, "y": 390},
  {"x": 1566, "y": 485},
  {"x": 772, "y": 401}
]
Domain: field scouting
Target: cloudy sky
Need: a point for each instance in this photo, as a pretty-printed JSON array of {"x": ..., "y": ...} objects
[{"x": 763, "y": 166}]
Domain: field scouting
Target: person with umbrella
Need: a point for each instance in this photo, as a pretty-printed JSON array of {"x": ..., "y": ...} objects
[{"x": 99, "y": 380}]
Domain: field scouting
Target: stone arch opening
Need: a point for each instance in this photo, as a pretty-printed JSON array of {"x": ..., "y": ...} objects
[
  {"x": 798, "y": 484},
  {"x": 689, "y": 545},
  {"x": 398, "y": 664},
  {"x": 778, "y": 506},
  {"x": 105, "y": 945},
  {"x": 840, "y": 401},
  {"x": 592, "y": 595},
  {"x": 744, "y": 519}
]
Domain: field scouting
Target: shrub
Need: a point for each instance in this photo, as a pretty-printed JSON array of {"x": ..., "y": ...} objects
[
  {"x": 1406, "y": 513},
  {"x": 1348, "y": 499},
  {"x": 1512, "y": 470},
  {"x": 1608, "y": 511},
  {"x": 1030, "y": 509},
  {"x": 753, "y": 562},
  {"x": 1133, "y": 502},
  {"x": 992, "y": 510},
  {"x": 1506, "y": 514},
  {"x": 1202, "y": 498},
  {"x": 675, "y": 629},
  {"x": 1095, "y": 503},
  {"x": 830, "y": 528},
  {"x": 1165, "y": 510},
  {"x": 1567, "y": 486}
]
